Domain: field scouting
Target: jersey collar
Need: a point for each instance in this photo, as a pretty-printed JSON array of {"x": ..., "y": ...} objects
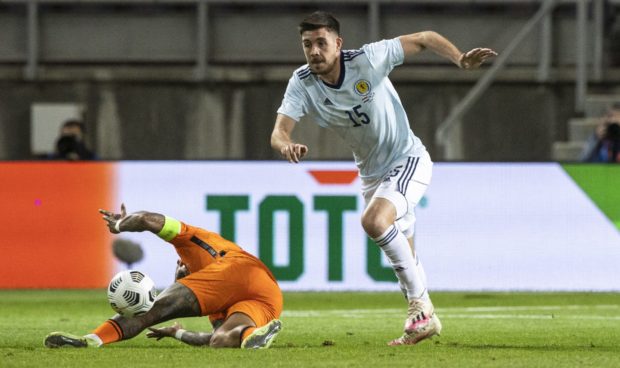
[{"x": 341, "y": 78}]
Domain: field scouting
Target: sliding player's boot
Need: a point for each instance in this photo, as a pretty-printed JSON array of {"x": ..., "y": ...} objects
[
  {"x": 63, "y": 339},
  {"x": 262, "y": 337}
]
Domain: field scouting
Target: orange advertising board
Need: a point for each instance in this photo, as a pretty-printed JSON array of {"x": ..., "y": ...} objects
[{"x": 52, "y": 235}]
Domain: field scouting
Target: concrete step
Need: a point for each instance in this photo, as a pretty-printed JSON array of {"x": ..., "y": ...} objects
[
  {"x": 567, "y": 151},
  {"x": 580, "y": 129},
  {"x": 598, "y": 105}
]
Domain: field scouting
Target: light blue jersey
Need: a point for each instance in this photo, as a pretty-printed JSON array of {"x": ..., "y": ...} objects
[{"x": 363, "y": 108}]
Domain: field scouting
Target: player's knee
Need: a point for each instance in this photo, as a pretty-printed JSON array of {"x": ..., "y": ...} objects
[
  {"x": 378, "y": 217},
  {"x": 374, "y": 225},
  {"x": 225, "y": 339}
]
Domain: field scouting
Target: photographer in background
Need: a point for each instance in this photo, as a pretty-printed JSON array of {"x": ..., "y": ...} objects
[
  {"x": 70, "y": 144},
  {"x": 607, "y": 149},
  {"x": 604, "y": 144}
]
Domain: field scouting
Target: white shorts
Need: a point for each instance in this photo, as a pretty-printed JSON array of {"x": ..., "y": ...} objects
[{"x": 404, "y": 186}]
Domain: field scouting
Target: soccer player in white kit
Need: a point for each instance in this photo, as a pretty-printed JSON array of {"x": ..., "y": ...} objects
[{"x": 348, "y": 91}]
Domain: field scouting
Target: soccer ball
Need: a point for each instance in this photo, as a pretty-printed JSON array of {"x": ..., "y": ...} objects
[{"x": 131, "y": 293}]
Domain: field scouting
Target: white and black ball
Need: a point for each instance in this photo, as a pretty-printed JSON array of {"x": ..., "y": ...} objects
[{"x": 131, "y": 293}]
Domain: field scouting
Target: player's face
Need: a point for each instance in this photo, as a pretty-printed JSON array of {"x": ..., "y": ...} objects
[{"x": 321, "y": 48}]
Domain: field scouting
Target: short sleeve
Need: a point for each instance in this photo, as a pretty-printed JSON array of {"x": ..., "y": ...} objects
[
  {"x": 385, "y": 55},
  {"x": 294, "y": 101}
]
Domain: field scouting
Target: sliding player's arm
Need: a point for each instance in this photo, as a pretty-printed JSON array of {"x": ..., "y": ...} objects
[
  {"x": 433, "y": 41},
  {"x": 176, "y": 331},
  {"x": 133, "y": 222},
  {"x": 281, "y": 140}
]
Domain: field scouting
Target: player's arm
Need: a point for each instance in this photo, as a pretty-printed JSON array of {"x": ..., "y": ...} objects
[
  {"x": 281, "y": 139},
  {"x": 176, "y": 331},
  {"x": 133, "y": 222},
  {"x": 436, "y": 43}
]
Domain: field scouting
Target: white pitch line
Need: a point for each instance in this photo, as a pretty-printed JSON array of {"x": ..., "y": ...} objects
[
  {"x": 340, "y": 312},
  {"x": 531, "y": 307},
  {"x": 467, "y": 312},
  {"x": 497, "y": 316},
  {"x": 527, "y": 316}
]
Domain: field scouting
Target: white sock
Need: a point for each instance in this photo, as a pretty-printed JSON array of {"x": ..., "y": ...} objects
[
  {"x": 421, "y": 272},
  {"x": 94, "y": 337},
  {"x": 396, "y": 247},
  {"x": 422, "y": 278}
]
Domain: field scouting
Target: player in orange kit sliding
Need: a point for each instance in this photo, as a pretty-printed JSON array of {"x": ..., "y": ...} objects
[{"x": 215, "y": 278}]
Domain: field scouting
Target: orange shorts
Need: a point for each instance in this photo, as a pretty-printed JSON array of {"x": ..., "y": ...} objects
[{"x": 237, "y": 282}]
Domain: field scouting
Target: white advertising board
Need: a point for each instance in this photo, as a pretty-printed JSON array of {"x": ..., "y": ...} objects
[{"x": 480, "y": 226}]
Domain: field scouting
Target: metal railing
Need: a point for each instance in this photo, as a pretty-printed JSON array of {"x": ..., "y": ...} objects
[{"x": 448, "y": 134}]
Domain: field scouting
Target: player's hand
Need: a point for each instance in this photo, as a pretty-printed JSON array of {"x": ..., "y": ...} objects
[
  {"x": 294, "y": 152},
  {"x": 160, "y": 333},
  {"x": 181, "y": 270},
  {"x": 112, "y": 218},
  {"x": 474, "y": 58}
]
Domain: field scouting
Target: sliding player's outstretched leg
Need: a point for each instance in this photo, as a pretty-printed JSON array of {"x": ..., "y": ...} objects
[{"x": 177, "y": 301}]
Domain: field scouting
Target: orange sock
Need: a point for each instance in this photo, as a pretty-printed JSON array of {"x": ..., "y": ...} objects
[
  {"x": 109, "y": 331},
  {"x": 247, "y": 332}
]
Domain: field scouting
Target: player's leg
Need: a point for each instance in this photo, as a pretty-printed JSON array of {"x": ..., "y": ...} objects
[
  {"x": 250, "y": 325},
  {"x": 435, "y": 319},
  {"x": 176, "y": 301},
  {"x": 417, "y": 328},
  {"x": 379, "y": 222},
  {"x": 417, "y": 260},
  {"x": 389, "y": 220},
  {"x": 395, "y": 246},
  {"x": 391, "y": 203},
  {"x": 228, "y": 335},
  {"x": 418, "y": 264},
  {"x": 261, "y": 337},
  {"x": 252, "y": 322},
  {"x": 418, "y": 325},
  {"x": 434, "y": 327},
  {"x": 264, "y": 315}
]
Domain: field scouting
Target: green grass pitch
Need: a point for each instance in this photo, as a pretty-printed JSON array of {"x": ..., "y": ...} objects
[{"x": 338, "y": 330}]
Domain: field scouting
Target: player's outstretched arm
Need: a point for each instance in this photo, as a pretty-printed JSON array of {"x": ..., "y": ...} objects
[
  {"x": 177, "y": 331},
  {"x": 133, "y": 222},
  {"x": 433, "y": 41},
  {"x": 281, "y": 140}
]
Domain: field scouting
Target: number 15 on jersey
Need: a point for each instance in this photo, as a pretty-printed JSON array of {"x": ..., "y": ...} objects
[{"x": 358, "y": 117}]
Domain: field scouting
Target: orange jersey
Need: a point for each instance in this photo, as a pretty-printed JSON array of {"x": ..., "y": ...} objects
[
  {"x": 199, "y": 248},
  {"x": 225, "y": 278}
]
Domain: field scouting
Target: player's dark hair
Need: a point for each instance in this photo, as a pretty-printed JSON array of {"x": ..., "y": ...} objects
[{"x": 319, "y": 19}]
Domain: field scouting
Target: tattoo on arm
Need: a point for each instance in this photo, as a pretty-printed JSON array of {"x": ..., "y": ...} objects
[
  {"x": 143, "y": 221},
  {"x": 196, "y": 338}
]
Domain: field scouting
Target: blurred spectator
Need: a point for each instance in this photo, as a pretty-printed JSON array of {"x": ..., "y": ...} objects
[
  {"x": 70, "y": 144},
  {"x": 604, "y": 144}
]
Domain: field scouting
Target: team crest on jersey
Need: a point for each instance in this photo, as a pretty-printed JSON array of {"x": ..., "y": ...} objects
[{"x": 362, "y": 87}]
